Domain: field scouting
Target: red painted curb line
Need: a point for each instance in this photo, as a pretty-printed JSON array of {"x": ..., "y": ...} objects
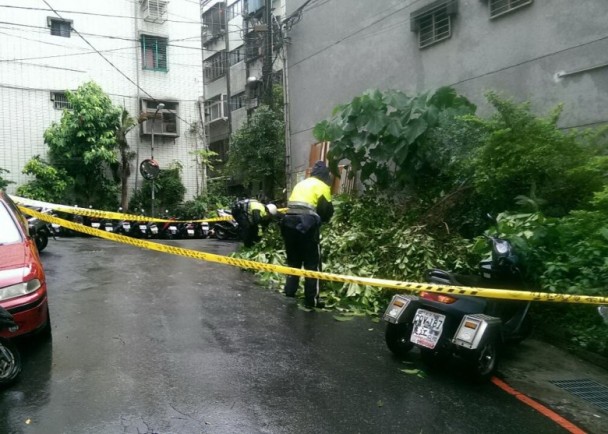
[{"x": 564, "y": 423}]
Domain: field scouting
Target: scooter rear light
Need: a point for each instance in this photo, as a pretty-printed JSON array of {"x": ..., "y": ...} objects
[{"x": 446, "y": 299}]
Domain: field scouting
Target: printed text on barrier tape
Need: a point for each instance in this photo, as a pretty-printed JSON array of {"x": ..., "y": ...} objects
[
  {"x": 382, "y": 283},
  {"x": 87, "y": 212}
]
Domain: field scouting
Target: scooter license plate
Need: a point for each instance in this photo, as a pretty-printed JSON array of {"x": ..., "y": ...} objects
[
  {"x": 190, "y": 231},
  {"x": 109, "y": 229},
  {"x": 143, "y": 228},
  {"x": 427, "y": 328},
  {"x": 96, "y": 225}
]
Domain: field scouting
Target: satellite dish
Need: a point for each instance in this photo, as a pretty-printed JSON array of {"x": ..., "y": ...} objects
[{"x": 149, "y": 169}]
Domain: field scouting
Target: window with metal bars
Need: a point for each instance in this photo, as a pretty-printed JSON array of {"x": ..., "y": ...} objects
[
  {"x": 433, "y": 23},
  {"x": 214, "y": 22},
  {"x": 234, "y": 10},
  {"x": 237, "y": 55},
  {"x": 165, "y": 123},
  {"x": 61, "y": 28},
  {"x": 154, "y": 53},
  {"x": 215, "y": 66},
  {"x": 501, "y": 7},
  {"x": 60, "y": 101},
  {"x": 238, "y": 101}
]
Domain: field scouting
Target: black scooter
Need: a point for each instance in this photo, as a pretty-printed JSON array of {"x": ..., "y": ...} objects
[
  {"x": 471, "y": 328},
  {"x": 10, "y": 358},
  {"x": 225, "y": 229}
]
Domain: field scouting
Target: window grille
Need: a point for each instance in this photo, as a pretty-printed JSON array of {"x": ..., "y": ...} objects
[
  {"x": 165, "y": 123},
  {"x": 215, "y": 66},
  {"x": 61, "y": 28},
  {"x": 433, "y": 23},
  {"x": 253, "y": 6},
  {"x": 501, "y": 7},
  {"x": 154, "y": 11},
  {"x": 237, "y": 101},
  {"x": 237, "y": 55},
  {"x": 216, "y": 109},
  {"x": 154, "y": 53},
  {"x": 214, "y": 23},
  {"x": 235, "y": 10},
  {"x": 60, "y": 101}
]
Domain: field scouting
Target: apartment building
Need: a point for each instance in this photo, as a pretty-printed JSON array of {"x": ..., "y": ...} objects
[
  {"x": 543, "y": 51},
  {"x": 241, "y": 58},
  {"x": 141, "y": 52}
]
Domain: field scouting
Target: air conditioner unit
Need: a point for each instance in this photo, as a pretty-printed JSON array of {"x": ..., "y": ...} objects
[{"x": 154, "y": 11}]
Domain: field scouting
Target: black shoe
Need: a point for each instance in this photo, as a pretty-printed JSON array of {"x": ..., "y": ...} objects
[
  {"x": 289, "y": 294},
  {"x": 314, "y": 304}
]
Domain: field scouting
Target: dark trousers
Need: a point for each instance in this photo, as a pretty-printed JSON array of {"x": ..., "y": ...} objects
[{"x": 303, "y": 249}]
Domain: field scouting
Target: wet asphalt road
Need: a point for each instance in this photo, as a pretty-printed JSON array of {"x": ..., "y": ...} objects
[{"x": 145, "y": 342}]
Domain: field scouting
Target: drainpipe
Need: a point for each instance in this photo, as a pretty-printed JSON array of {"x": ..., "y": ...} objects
[{"x": 138, "y": 95}]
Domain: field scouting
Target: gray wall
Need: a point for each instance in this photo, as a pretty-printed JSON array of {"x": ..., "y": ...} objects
[{"x": 340, "y": 48}]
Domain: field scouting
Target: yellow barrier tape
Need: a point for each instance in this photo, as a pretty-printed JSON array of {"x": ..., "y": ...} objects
[
  {"x": 382, "y": 283},
  {"x": 88, "y": 212}
]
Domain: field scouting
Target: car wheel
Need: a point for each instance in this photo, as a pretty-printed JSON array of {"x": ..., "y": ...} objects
[
  {"x": 397, "y": 337},
  {"x": 10, "y": 362}
]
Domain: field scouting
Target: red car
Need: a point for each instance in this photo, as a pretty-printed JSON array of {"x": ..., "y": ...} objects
[{"x": 22, "y": 280}]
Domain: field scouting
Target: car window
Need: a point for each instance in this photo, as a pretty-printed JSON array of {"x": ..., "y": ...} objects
[{"x": 9, "y": 233}]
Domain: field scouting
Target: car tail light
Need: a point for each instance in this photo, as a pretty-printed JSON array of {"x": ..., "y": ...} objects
[
  {"x": 446, "y": 299},
  {"x": 19, "y": 289}
]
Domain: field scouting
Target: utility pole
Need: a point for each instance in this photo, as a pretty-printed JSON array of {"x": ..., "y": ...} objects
[{"x": 267, "y": 66}]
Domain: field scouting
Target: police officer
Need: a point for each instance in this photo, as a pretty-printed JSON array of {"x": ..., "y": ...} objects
[
  {"x": 309, "y": 205},
  {"x": 250, "y": 214}
]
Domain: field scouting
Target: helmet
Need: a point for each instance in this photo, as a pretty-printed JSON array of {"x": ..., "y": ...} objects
[{"x": 272, "y": 209}]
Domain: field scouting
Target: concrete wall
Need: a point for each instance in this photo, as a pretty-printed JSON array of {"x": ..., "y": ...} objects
[
  {"x": 34, "y": 63},
  {"x": 341, "y": 48}
]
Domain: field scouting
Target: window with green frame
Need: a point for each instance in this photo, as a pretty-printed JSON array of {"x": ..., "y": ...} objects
[{"x": 154, "y": 53}]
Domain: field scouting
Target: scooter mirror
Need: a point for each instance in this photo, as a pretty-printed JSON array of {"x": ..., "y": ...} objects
[{"x": 603, "y": 311}]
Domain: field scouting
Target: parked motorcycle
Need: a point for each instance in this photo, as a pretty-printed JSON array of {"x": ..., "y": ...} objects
[
  {"x": 168, "y": 230},
  {"x": 10, "y": 358},
  {"x": 471, "y": 328},
  {"x": 139, "y": 229},
  {"x": 39, "y": 230},
  {"x": 122, "y": 227},
  {"x": 225, "y": 229}
]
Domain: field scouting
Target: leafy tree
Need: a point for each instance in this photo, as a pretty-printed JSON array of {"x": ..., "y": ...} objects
[
  {"x": 4, "y": 182},
  {"x": 169, "y": 191},
  {"x": 49, "y": 184},
  {"x": 257, "y": 151},
  {"x": 84, "y": 144},
  {"x": 528, "y": 158},
  {"x": 382, "y": 134}
]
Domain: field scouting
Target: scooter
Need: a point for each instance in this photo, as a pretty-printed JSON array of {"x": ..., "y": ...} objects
[
  {"x": 10, "y": 358},
  {"x": 225, "y": 229},
  {"x": 471, "y": 328}
]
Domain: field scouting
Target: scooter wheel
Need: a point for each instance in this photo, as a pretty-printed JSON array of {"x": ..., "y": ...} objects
[
  {"x": 397, "y": 338},
  {"x": 42, "y": 240},
  {"x": 10, "y": 362},
  {"x": 485, "y": 360},
  {"x": 221, "y": 234}
]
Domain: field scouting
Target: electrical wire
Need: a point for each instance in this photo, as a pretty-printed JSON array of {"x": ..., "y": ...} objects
[
  {"x": 114, "y": 66},
  {"x": 91, "y": 14}
]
